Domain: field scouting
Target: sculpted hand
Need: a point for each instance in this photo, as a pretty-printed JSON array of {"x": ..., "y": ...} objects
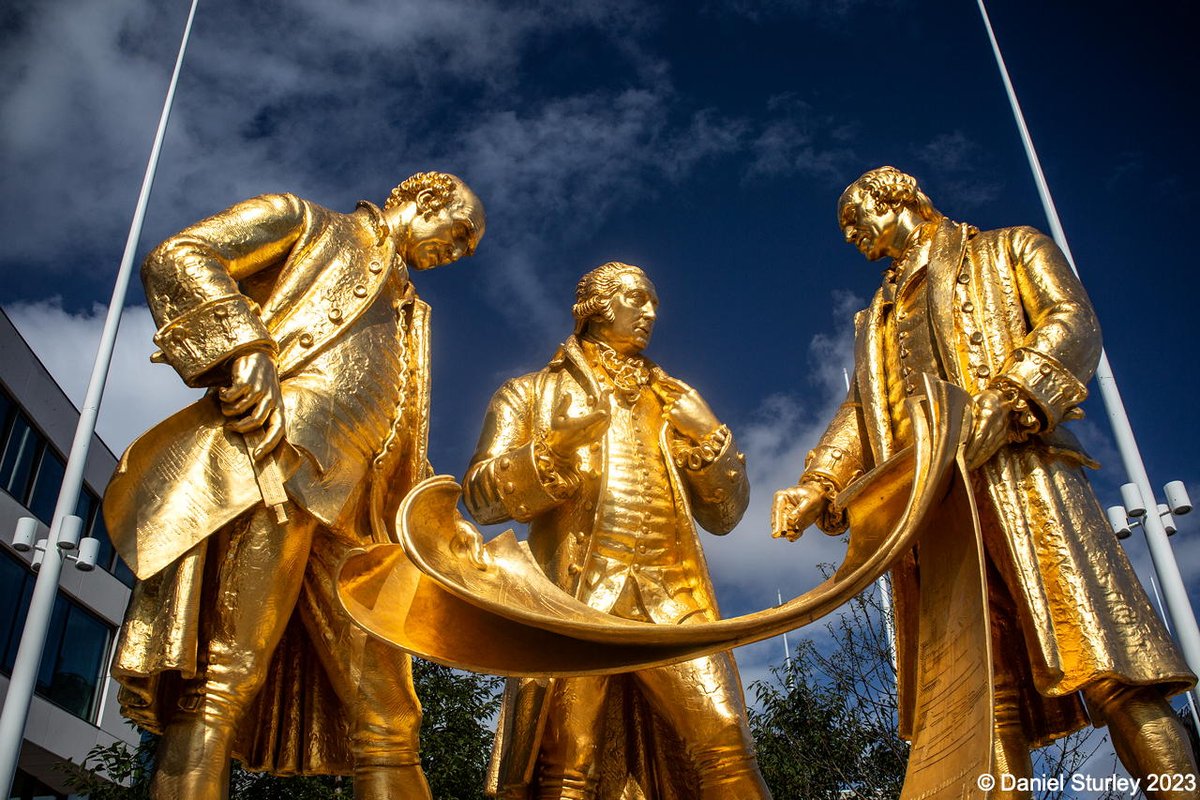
[
  {"x": 253, "y": 397},
  {"x": 989, "y": 428},
  {"x": 567, "y": 433},
  {"x": 794, "y": 509},
  {"x": 687, "y": 412}
]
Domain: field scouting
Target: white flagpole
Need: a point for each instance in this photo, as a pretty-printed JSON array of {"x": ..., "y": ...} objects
[
  {"x": 1175, "y": 592},
  {"x": 787, "y": 653},
  {"x": 33, "y": 638}
]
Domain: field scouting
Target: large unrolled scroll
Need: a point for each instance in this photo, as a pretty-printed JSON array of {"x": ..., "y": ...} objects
[{"x": 442, "y": 594}]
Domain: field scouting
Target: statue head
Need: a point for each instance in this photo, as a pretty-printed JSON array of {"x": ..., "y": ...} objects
[
  {"x": 434, "y": 219},
  {"x": 616, "y": 304},
  {"x": 879, "y": 212}
]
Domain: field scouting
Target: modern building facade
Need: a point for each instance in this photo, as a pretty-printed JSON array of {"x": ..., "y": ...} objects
[{"x": 75, "y": 707}]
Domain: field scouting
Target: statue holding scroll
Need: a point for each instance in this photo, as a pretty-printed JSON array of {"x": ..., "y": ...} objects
[
  {"x": 1000, "y": 314},
  {"x": 235, "y": 512},
  {"x": 608, "y": 458}
]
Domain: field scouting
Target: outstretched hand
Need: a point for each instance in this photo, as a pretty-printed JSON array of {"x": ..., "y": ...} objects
[
  {"x": 794, "y": 509},
  {"x": 568, "y": 433},
  {"x": 253, "y": 400}
]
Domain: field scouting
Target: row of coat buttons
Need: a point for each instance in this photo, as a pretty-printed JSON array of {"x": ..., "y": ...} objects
[{"x": 335, "y": 314}]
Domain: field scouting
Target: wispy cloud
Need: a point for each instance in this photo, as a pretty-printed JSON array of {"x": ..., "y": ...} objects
[
  {"x": 826, "y": 12},
  {"x": 960, "y": 172},
  {"x": 557, "y": 171},
  {"x": 799, "y": 140},
  {"x": 138, "y": 394},
  {"x": 748, "y": 564}
]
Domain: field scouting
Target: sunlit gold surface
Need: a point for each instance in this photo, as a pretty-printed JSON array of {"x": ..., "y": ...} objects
[
  {"x": 609, "y": 459},
  {"x": 305, "y": 323},
  {"x": 577, "y": 599},
  {"x": 508, "y": 618},
  {"x": 1001, "y": 315}
]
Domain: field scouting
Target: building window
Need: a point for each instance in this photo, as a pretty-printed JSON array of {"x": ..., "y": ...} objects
[
  {"x": 22, "y": 449},
  {"x": 46, "y": 484},
  {"x": 76, "y": 645},
  {"x": 27, "y": 787},
  {"x": 32, "y": 472}
]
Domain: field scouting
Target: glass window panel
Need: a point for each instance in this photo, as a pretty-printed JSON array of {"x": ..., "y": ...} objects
[
  {"x": 123, "y": 573},
  {"x": 8, "y": 409},
  {"x": 85, "y": 508},
  {"x": 20, "y": 453},
  {"x": 78, "y": 662},
  {"x": 76, "y": 643},
  {"x": 46, "y": 485},
  {"x": 27, "y": 787},
  {"x": 106, "y": 554},
  {"x": 16, "y": 587},
  {"x": 54, "y": 636}
]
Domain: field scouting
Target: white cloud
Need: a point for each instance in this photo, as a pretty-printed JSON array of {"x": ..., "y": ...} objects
[
  {"x": 748, "y": 565},
  {"x": 556, "y": 171},
  {"x": 138, "y": 394},
  {"x": 961, "y": 174},
  {"x": 800, "y": 141}
]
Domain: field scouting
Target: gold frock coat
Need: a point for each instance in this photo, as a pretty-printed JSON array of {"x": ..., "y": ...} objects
[
  {"x": 1004, "y": 305},
  {"x": 283, "y": 274},
  {"x": 502, "y": 483}
]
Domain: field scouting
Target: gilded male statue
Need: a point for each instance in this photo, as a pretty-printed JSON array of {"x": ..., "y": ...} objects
[
  {"x": 608, "y": 459},
  {"x": 1001, "y": 314},
  {"x": 306, "y": 329}
]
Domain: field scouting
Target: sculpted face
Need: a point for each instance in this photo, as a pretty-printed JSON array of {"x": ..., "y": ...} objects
[
  {"x": 438, "y": 237},
  {"x": 634, "y": 310},
  {"x": 870, "y": 226}
]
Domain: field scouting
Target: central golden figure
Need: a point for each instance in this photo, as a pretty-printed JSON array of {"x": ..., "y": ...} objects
[{"x": 608, "y": 458}]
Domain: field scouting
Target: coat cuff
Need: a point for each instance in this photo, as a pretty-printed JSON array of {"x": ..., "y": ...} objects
[
  {"x": 1051, "y": 387},
  {"x": 719, "y": 489},
  {"x": 524, "y": 488},
  {"x": 834, "y": 464},
  {"x": 203, "y": 338}
]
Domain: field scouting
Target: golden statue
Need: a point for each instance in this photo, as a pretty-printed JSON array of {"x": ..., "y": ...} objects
[
  {"x": 1069, "y": 629},
  {"x": 235, "y": 512},
  {"x": 608, "y": 458}
]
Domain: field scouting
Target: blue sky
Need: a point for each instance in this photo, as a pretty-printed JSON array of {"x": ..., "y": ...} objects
[{"x": 706, "y": 142}]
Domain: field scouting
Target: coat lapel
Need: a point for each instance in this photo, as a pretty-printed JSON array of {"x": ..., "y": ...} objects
[
  {"x": 945, "y": 260},
  {"x": 870, "y": 378}
]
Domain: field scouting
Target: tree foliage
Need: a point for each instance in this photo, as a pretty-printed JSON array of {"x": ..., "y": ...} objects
[
  {"x": 456, "y": 738},
  {"x": 456, "y": 731},
  {"x": 825, "y": 722}
]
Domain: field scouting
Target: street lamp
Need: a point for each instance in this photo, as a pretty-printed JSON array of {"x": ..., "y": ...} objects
[{"x": 1132, "y": 514}]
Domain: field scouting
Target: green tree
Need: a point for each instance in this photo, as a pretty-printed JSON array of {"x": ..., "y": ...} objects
[{"x": 825, "y": 723}]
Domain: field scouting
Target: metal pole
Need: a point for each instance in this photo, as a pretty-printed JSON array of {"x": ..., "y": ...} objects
[
  {"x": 1186, "y": 631},
  {"x": 787, "y": 653},
  {"x": 33, "y": 638}
]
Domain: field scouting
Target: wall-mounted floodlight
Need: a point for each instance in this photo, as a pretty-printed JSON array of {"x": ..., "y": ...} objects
[
  {"x": 69, "y": 532},
  {"x": 26, "y": 535},
  {"x": 1131, "y": 496},
  {"x": 89, "y": 549},
  {"x": 1167, "y": 520},
  {"x": 1177, "y": 498},
  {"x": 1119, "y": 522}
]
